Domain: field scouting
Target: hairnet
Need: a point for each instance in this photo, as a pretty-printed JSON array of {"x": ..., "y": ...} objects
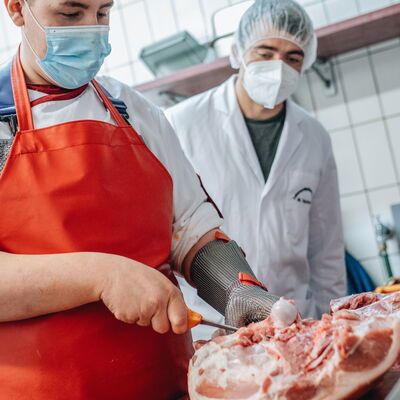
[{"x": 283, "y": 19}]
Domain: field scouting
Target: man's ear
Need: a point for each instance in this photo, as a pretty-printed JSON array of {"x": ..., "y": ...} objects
[{"x": 14, "y": 8}]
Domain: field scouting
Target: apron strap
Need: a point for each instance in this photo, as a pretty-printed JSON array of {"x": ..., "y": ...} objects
[
  {"x": 21, "y": 97},
  {"x": 121, "y": 122},
  {"x": 23, "y": 105}
]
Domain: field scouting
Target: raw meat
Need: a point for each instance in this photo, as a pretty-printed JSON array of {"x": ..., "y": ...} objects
[
  {"x": 338, "y": 357},
  {"x": 366, "y": 305}
]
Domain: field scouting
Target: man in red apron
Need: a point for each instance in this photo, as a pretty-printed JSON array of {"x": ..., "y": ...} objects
[{"x": 90, "y": 218}]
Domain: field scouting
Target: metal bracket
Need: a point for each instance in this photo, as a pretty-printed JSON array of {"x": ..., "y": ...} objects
[
  {"x": 325, "y": 71},
  {"x": 172, "y": 97},
  {"x": 216, "y": 39}
]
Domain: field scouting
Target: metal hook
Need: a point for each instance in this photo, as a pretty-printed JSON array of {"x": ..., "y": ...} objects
[{"x": 324, "y": 69}]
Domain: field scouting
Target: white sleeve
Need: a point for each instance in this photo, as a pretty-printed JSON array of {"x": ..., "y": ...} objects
[
  {"x": 193, "y": 214},
  {"x": 326, "y": 247}
]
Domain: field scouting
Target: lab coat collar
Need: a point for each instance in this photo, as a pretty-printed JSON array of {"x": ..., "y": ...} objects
[{"x": 225, "y": 101}]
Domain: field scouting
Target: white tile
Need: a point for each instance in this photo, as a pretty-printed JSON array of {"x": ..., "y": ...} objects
[
  {"x": 137, "y": 32},
  {"x": 118, "y": 54},
  {"x": 142, "y": 73},
  {"x": 223, "y": 47},
  {"x": 10, "y": 33},
  {"x": 227, "y": 19},
  {"x": 334, "y": 117},
  {"x": 358, "y": 231},
  {"x": 387, "y": 71},
  {"x": 375, "y": 270},
  {"x": 339, "y": 10},
  {"x": 190, "y": 17},
  {"x": 380, "y": 201},
  {"x": 387, "y": 44},
  {"x": 124, "y": 74},
  {"x": 7, "y": 54},
  {"x": 366, "y": 6},
  {"x": 210, "y": 7},
  {"x": 351, "y": 55},
  {"x": 394, "y": 134},
  {"x": 161, "y": 18},
  {"x": 349, "y": 172},
  {"x": 330, "y": 111},
  {"x": 104, "y": 70},
  {"x": 302, "y": 96},
  {"x": 236, "y": 1},
  {"x": 317, "y": 15},
  {"x": 360, "y": 90},
  {"x": 376, "y": 160},
  {"x": 305, "y": 2}
]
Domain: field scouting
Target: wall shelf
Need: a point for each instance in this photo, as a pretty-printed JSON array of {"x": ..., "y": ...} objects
[{"x": 354, "y": 33}]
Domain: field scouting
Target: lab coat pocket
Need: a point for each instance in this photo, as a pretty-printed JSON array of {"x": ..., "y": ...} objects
[{"x": 299, "y": 198}]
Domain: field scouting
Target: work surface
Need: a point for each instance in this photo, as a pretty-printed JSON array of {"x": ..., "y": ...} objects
[
  {"x": 383, "y": 387},
  {"x": 380, "y": 390}
]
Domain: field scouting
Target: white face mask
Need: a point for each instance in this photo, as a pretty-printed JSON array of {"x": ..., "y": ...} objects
[{"x": 270, "y": 82}]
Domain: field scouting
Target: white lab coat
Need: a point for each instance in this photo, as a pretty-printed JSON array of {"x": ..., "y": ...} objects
[
  {"x": 290, "y": 227},
  {"x": 193, "y": 215}
]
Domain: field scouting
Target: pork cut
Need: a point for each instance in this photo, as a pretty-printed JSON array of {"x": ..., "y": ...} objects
[
  {"x": 366, "y": 305},
  {"x": 337, "y": 357}
]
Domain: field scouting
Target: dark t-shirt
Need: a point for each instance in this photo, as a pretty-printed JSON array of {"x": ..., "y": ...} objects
[{"x": 265, "y": 135}]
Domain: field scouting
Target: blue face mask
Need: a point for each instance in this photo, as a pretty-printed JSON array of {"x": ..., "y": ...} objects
[{"x": 75, "y": 54}]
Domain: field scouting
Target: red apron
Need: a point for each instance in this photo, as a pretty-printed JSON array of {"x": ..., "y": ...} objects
[{"x": 86, "y": 186}]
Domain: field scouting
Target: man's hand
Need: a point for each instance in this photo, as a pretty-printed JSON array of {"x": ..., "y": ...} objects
[
  {"x": 136, "y": 293},
  {"x": 34, "y": 285}
]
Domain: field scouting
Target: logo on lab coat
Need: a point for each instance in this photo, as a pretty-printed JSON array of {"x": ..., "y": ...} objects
[{"x": 303, "y": 196}]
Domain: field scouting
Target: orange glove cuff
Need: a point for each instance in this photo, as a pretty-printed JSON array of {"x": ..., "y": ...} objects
[{"x": 246, "y": 279}]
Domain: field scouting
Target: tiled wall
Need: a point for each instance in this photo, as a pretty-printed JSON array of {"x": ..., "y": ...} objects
[
  {"x": 136, "y": 23},
  {"x": 363, "y": 118},
  {"x": 364, "y": 122}
]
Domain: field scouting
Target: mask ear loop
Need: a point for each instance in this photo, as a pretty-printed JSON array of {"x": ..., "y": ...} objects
[
  {"x": 33, "y": 16},
  {"x": 29, "y": 43},
  {"x": 37, "y": 23}
]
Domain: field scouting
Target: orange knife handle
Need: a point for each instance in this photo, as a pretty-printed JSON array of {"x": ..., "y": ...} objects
[{"x": 194, "y": 318}]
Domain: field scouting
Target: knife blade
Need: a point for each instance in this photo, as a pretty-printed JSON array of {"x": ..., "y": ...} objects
[{"x": 194, "y": 319}]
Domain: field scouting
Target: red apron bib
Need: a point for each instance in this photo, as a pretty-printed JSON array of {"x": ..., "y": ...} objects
[{"x": 86, "y": 186}]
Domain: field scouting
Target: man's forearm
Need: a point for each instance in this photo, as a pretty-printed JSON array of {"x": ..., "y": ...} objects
[
  {"x": 32, "y": 285},
  {"x": 187, "y": 263},
  {"x": 224, "y": 279}
]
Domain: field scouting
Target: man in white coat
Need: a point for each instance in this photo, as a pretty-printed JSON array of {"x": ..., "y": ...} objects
[{"x": 268, "y": 164}]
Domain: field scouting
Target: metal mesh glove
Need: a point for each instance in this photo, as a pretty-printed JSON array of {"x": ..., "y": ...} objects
[
  {"x": 215, "y": 271},
  {"x": 248, "y": 303}
]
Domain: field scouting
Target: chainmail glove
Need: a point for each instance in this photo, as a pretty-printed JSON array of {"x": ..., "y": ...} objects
[
  {"x": 248, "y": 303},
  {"x": 225, "y": 280}
]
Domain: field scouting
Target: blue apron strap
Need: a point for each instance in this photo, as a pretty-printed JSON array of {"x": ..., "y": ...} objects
[
  {"x": 8, "y": 113},
  {"x": 118, "y": 104},
  {"x": 7, "y": 106}
]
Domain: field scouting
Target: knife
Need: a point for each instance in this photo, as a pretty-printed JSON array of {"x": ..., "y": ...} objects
[{"x": 194, "y": 319}]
